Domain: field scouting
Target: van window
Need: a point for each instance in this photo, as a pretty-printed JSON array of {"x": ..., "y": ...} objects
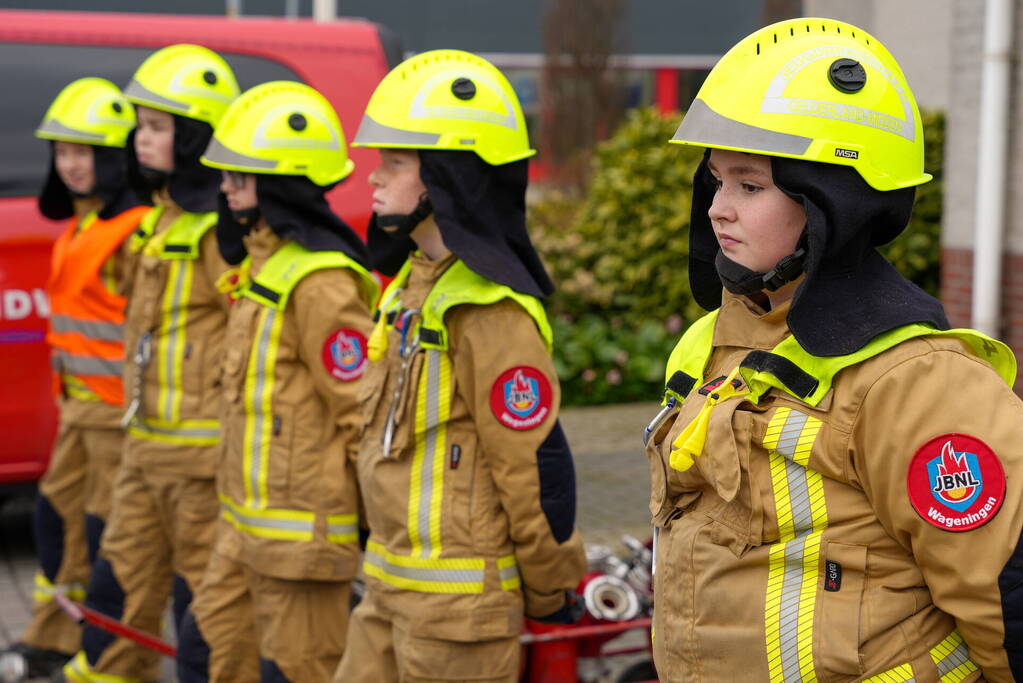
[{"x": 32, "y": 74}]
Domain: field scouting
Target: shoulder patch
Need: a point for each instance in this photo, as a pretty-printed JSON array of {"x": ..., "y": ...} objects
[
  {"x": 344, "y": 354},
  {"x": 521, "y": 398},
  {"x": 956, "y": 482}
]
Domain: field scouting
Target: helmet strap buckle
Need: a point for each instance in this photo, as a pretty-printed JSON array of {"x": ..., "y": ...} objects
[{"x": 785, "y": 271}]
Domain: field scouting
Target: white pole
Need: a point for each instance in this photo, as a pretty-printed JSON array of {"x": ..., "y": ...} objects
[
  {"x": 992, "y": 153},
  {"x": 233, "y": 8},
  {"x": 291, "y": 9},
  {"x": 324, "y": 10}
]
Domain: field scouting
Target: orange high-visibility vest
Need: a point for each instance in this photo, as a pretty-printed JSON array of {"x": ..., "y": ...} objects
[{"x": 86, "y": 318}]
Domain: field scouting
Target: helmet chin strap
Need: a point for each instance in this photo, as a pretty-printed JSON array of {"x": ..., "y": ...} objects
[
  {"x": 738, "y": 279},
  {"x": 246, "y": 217},
  {"x": 405, "y": 223},
  {"x": 154, "y": 177}
]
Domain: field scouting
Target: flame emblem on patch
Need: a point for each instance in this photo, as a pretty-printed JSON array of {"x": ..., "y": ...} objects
[
  {"x": 955, "y": 477},
  {"x": 521, "y": 394},
  {"x": 344, "y": 354},
  {"x": 521, "y": 397},
  {"x": 347, "y": 351},
  {"x": 955, "y": 482}
]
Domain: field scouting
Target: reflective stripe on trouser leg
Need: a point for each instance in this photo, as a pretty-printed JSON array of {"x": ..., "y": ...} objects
[
  {"x": 44, "y": 590},
  {"x": 793, "y": 566},
  {"x": 426, "y": 488}
]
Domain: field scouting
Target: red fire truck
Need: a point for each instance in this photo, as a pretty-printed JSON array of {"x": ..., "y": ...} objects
[{"x": 40, "y": 53}]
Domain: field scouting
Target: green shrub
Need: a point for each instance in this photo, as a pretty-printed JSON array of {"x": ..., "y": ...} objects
[{"x": 619, "y": 257}]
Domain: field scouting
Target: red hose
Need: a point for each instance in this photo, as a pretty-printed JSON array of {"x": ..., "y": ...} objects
[
  {"x": 577, "y": 632},
  {"x": 81, "y": 613}
]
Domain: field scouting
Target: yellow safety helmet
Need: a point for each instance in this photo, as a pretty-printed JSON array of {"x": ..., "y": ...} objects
[
  {"x": 189, "y": 80},
  {"x": 91, "y": 111},
  {"x": 814, "y": 89},
  {"x": 447, "y": 99},
  {"x": 282, "y": 128}
]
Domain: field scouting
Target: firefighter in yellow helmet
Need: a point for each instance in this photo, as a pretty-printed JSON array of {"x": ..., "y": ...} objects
[
  {"x": 273, "y": 604},
  {"x": 829, "y": 468},
  {"x": 465, "y": 473},
  {"x": 87, "y": 125},
  {"x": 162, "y": 524}
]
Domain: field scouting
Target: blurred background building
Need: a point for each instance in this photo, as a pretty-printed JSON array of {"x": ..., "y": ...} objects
[
  {"x": 941, "y": 47},
  {"x": 577, "y": 65}
]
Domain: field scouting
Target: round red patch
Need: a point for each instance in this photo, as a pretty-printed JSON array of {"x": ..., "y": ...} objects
[
  {"x": 344, "y": 354},
  {"x": 956, "y": 482},
  {"x": 521, "y": 397}
]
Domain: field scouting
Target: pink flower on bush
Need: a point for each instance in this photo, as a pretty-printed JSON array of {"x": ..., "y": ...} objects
[{"x": 613, "y": 377}]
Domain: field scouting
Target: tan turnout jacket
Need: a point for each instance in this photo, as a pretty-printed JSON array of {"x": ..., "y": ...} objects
[
  {"x": 791, "y": 550},
  {"x": 460, "y": 543}
]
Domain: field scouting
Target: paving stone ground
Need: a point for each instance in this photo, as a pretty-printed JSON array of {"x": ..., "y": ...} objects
[{"x": 612, "y": 482}]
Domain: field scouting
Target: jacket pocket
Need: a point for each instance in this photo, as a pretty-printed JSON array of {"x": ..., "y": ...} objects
[
  {"x": 839, "y": 600},
  {"x": 281, "y": 426},
  {"x": 433, "y": 659},
  {"x": 232, "y": 377},
  {"x": 192, "y": 389},
  {"x": 400, "y": 409},
  {"x": 371, "y": 389}
]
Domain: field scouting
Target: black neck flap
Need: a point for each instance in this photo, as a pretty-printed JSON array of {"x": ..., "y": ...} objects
[
  {"x": 389, "y": 249},
  {"x": 850, "y": 293},
  {"x": 191, "y": 185},
  {"x": 481, "y": 212},
  {"x": 110, "y": 165},
  {"x": 295, "y": 208}
]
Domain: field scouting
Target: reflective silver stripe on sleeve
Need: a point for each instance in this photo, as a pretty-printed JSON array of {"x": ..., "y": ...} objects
[
  {"x": 342, "y": 529},
  {"x": 420, "y": 574},
  {"x": 63, "y": 361},
  {"x": 374, "y": 133},
  {"x": 94, "y": 329},
  {"x": 508, "y": 573},
  {"x": 704, "y": 126}
]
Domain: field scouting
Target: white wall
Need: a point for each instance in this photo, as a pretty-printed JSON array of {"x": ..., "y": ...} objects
[{"x": 916, "y": 32}]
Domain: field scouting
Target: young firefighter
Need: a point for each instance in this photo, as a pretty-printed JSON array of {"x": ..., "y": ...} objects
[
  {"x": 87, "y": 125},
  {"x": 273, "y": 604},
  {"x": 465, "y": 473},
  {"x": 829, "y": 473},
  {"x": 165, "y": 506}
]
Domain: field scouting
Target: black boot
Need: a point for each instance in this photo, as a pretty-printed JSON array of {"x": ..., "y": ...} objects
[{"x": 32, "y": 662}]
